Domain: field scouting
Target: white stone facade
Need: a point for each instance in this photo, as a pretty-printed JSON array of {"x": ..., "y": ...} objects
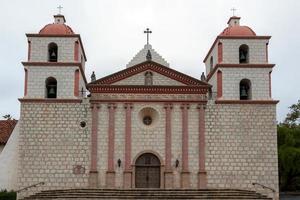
[
  {"x": 231, "y": 77},
  {"x": 257, "y": 50},
  {"x": 139, "y": 79},
  {"x": 64, "y": 75},
  {"x": 54, "y": 147},
  {"x": 52, "y": 143},
  {"x": 66, "y": 48},
  {"x": 141, "y": 57},
  {"x": 241, "y": 146}
]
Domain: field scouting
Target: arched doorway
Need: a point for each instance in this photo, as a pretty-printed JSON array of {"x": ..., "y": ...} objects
[{"x": 147, "y": 171}]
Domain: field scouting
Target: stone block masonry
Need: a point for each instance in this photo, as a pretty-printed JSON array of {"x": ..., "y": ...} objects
[
  {"x": 54, "y": 148},
  {"x": 241, "y": 145}
]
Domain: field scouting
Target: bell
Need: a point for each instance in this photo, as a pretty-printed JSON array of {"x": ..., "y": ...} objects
[
  {"x": 244, "y": 94},
  {"x": 53, "y": 54},
  {"x": 51, "y": 93},
  {"x": 242, "y": 57}
]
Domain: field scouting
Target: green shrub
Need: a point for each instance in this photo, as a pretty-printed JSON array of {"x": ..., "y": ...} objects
[{"x": 5, "y": 195}]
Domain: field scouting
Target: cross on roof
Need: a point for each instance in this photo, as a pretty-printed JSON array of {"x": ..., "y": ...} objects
[
  {"x": 59, "y": 9},
  {"x": 147, "y": 31},
  {"x": 233, "y": 10}
]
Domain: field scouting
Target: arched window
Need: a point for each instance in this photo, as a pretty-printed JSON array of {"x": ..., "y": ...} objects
[
  {"x": 244, "y": 54},
  {"x": 245, "y": 89},
  {"x": 52, "y": 52},
  {"x": 51, "y": 88},
  {"x": 211, "y": 63},
  {"x": 148, "y": 78}
]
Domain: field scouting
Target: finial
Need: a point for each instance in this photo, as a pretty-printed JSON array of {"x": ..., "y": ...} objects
[
  {"x": 59, "y": 9},
  {"x": 233, "y": 10},
  {"x": 147, "y": 31},
  {"x": 203, "y": 78},
  {"x": 148, "y": 56},
  {"x": 93, "y": 77}
]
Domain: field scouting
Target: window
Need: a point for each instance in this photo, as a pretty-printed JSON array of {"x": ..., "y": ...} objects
[
  {"x": 52, "y": 52},
  {"x": 147, "y": 120},
  {"x": 51, "y": 87},
  {"x": 148, "y": 78},
  {"x": 211, "y": 63},
  {"x": 244, "y": 54},
  {"x": 245, "y": 89}
]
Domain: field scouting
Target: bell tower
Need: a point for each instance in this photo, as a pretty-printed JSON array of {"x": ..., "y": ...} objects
[
  {"x": 56, "y": 63},
  {"x": 237, "y": 64}
]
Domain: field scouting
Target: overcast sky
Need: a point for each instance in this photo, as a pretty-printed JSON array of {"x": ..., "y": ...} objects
[{"x": 183, "y": 32}]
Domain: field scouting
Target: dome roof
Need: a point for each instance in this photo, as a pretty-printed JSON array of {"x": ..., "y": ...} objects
[
  {"x": 56, "y": 29},
  {"x": 238, "y": 31}
]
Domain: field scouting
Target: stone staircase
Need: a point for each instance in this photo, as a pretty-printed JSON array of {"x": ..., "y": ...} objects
[{"x": 162, "y": 194}]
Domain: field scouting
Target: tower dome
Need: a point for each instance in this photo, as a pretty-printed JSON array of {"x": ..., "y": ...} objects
[
  {"x": 234, "y": 28},
  {"x": 57, "y": 28}
]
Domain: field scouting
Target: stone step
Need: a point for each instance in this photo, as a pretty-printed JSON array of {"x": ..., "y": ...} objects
[{"x": 161, "y": 194}]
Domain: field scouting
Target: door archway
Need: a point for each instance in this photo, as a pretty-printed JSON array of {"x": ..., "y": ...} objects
[{"x": 147, "y": 171}]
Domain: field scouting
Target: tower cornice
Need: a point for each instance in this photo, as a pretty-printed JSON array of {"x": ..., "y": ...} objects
[
  {"x": 217, "y": 66},
  {"x": 56, "y": 64}
]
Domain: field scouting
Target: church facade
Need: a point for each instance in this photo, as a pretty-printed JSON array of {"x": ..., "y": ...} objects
[{"x": 147, "y": 126}]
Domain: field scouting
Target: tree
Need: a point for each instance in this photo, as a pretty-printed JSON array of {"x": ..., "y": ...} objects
[
  {"x": 289, "y": 150},
  {"x": 293, "y": 117}
]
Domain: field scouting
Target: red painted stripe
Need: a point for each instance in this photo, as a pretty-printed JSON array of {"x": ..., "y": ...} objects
[
  {"x": 219, "y": 85},
  {"x": 76, "y": 83}
]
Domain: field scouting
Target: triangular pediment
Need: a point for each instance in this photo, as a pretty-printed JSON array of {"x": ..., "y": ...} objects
[{"x": 162, "y": 76}]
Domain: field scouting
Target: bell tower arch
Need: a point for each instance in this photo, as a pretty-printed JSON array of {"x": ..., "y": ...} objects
[{"x": 56, "y": 63}]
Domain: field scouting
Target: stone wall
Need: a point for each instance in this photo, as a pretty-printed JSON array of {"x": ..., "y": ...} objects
[
  {"x": 36, "y": 84},
  {"x": 259, "y": 78},
  {"x": 257, "y": 50},
  {"x": 241, "y": 145},
  {"x": 54, "y": 148},
  {"x": 148, "y": 139},
  {"x": 39, "y": 48},
  {"x": 139, "y": 79}
]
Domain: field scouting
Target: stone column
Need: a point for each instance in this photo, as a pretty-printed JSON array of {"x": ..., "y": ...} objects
[
  {"x": 127, "y": 180},
  {"x": 111, "y": 174},
  {"x": 168, "y": 148},
  {"x": 202, "y": 178},
  {"x": 93, "y": 176},
  {"x": 185, "y": 174}
]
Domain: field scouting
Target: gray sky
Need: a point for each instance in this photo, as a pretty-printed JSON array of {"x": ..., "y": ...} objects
[{"x": 183, "y": 31}]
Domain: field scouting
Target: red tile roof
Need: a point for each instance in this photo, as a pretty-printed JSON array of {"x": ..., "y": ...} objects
[
  {"x": 6, "y": 128},
  {"x": 56, "y": 29}
]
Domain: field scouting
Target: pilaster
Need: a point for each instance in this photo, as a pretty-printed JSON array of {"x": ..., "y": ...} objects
[
  {"x": 168, "y": 148},
  {"x": 185, "y": 174},
  {"x": 202, "y": 178},
  {"x": 110, "y": 174},
  {"x": 127, "y": 179},
  {"x": 93, "y": 174}
]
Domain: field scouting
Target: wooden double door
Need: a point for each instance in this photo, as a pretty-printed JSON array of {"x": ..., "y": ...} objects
[{"x": 147, "y": 171}]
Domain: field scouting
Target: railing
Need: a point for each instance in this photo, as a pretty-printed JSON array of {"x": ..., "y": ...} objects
[
  {"x": 31, "y": 186},
  {"x": 275, "y": 196},
  {"x": 264, "y": 187}
]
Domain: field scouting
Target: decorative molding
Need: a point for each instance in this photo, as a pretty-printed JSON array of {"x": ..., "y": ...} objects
[
  {"x": 149, "y": 65},
  {"x": 248, "y": 65},
  {"x": 32, "y": 100},
  {"x": 148, "y": 89},
  {"x": 56, "y": 64},
  {"x": 246, "y": 101}
]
